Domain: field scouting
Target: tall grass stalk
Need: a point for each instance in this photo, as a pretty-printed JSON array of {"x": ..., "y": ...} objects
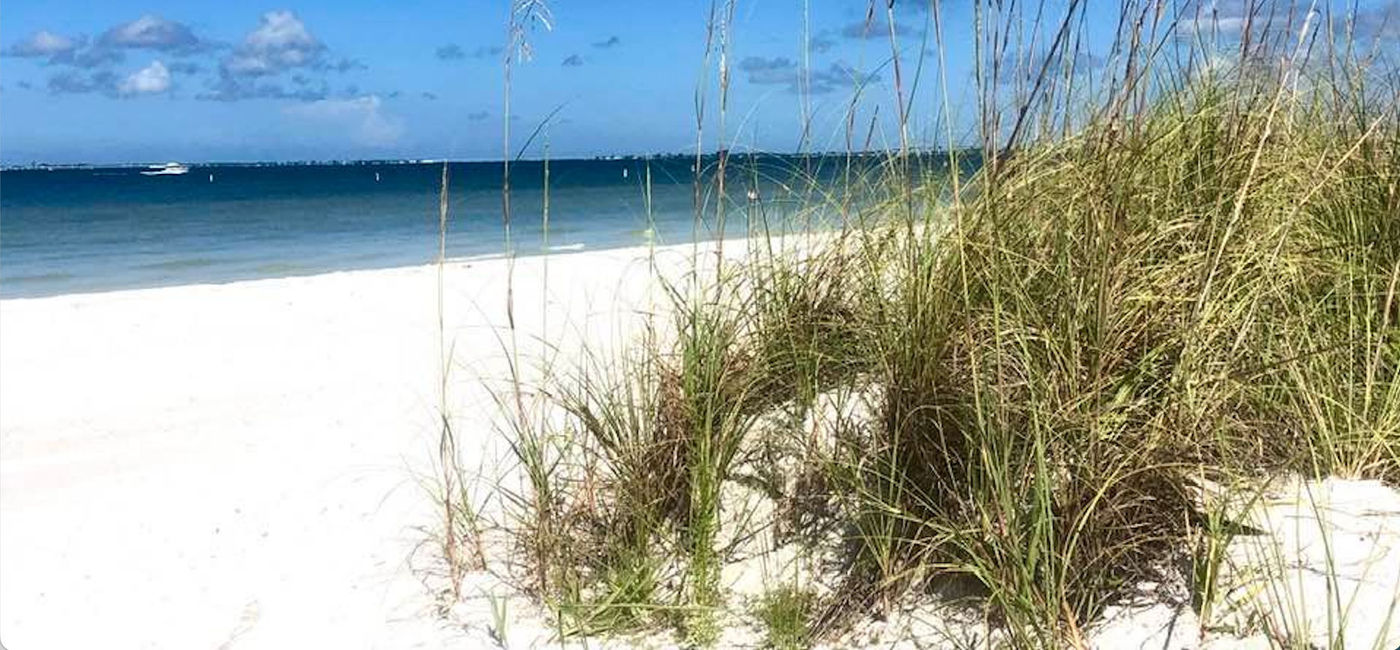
[{"x": 447, "y": 459}]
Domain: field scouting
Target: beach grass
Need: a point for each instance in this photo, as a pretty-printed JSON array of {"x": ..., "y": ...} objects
[
  {"x": 786, "y": 614},
  {"x": 1022, "y": 385}
]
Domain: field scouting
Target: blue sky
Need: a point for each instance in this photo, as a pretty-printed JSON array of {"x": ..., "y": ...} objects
[{"x": 156, "y": 80}]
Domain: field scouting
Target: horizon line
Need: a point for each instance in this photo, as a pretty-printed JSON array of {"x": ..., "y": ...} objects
[{"x": 433, "y": 161}]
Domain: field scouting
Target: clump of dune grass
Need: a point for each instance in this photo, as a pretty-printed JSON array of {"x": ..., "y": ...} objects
[
  {"x": 786, "y": 615},
  {"x": 1188, "y": 281},
  {"x": 1058, "y": 361},
  {"x": 1116, "y": 312}
]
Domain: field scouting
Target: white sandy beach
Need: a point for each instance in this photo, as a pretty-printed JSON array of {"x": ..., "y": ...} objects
[
  {"x": 237, "y": 466},
  {"x": 233, "y": 466}
]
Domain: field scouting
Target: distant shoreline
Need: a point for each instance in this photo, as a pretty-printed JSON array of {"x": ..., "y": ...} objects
[{"x": 48, "y": 166}]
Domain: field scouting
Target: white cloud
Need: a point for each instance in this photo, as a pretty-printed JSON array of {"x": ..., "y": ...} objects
[
  {"x": 150, "y": 80},
  {"x": 281, "y": 30},
  {"x": 1230, "y": 18},
  {"x": 782, "y": 71},
  {"x": 43, "y": 43},
  {"x": 362, "y": 116},
  {"x": 154, "y": 32},
  {"x": 281, "y": 41}
]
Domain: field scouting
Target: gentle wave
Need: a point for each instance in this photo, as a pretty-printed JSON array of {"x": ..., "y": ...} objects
[
  {"x": 40, "y": 278},
  {"x": 277, "y": 269},
  {"x": 181, "y": 264},
  {"x": 476, "y": 258}
]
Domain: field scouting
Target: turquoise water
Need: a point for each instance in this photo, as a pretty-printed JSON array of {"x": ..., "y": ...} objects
[{"x": 83, "y": 230}]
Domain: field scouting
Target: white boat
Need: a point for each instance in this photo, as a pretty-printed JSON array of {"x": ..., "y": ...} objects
[{"x": 168, "y": 169}]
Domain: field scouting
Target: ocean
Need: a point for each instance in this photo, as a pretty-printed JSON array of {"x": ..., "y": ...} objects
[{"x": 80, "y": 230}]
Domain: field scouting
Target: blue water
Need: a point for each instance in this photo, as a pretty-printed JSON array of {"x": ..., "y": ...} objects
[{"x": 83, "y": 230}]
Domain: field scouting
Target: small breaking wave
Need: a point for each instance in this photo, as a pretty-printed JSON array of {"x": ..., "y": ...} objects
[{"x": 181, "y": 264}]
